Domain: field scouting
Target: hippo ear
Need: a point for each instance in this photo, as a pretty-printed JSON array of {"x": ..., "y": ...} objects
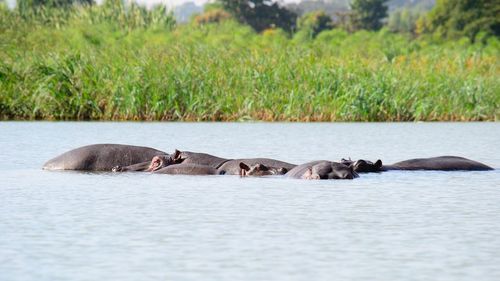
[
  {"x": 378, "y": 164},
  {"x": 308, "y": 174},
  {"x": 351, "y": 169},
  {"x": 282, "y": 171},
  {"x": 244, "y": 166},
  {"x": 261, "y": 167},
  {"x": 156, "y": 164},
  {"x": 350, "y": 165},
  {"x": 176, "y": 155}
]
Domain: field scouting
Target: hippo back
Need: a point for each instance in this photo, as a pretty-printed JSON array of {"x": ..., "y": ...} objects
[
  {"x": 441, "y": 163},
  {"x": 101, "y": 157},
  {"x": 201, "y": 159}
]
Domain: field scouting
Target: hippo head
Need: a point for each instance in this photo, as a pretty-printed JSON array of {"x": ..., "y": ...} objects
[
  {"x": 330, "y": 170},
  {"x": 161, "y": 161},
  {"x": 260, "y": 170},
  {"x": 364, "y": 166}
]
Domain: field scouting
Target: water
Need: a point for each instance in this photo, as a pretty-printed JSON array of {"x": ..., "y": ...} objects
[{"x": 388, "y": 226}]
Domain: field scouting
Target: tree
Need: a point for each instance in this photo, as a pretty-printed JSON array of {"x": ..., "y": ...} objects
[
  {"x": 368, "y": 14},
  {"x": 457, "y": 18},
  {"x": 315, "y": 22},
  {"x": 261, "y": 14},
  {"x": 404, "y": 20}
]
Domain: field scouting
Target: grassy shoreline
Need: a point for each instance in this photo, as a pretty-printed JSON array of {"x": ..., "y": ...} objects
[{"x": 226, "y": 72}]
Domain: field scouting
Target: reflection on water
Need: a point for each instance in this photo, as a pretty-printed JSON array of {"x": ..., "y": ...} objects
[{"x": 389, "y": 226}]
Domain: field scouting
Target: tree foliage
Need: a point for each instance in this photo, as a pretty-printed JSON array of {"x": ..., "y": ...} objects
[
  {"x": 368, "y": 14},
  {"x": 404, "y": 20},
  {"x": 458, "y": 18},
  {"x": 315, "y": 22},
  {"x": 261, "y": 14}
]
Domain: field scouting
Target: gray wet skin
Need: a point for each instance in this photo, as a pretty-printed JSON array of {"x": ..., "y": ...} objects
[
  {"x": 322, "y": 170},
  {"x": 187, "y": 169},
  {"x": 187, "y": 157},
  {"x": 441, "y": 163},
  {"x": 102, "y": 157},
  {"x": 139, "y": 167}
]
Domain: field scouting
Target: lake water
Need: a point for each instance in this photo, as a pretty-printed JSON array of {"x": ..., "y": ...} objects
[{"x": 139, "y": 226}]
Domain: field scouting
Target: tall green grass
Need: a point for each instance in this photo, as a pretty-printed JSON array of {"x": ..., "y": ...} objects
[{"x": 102, "y": 68}]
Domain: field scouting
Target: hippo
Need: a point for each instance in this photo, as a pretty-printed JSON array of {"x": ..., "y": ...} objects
[
  {"x": 441, "y": 163},
  {"x": 363, "y": 166},
  {"x": 161, "y": 161},
  {"x": 234, "y": 167},
  {"x": 139, "y": 167},
  {"x": 322, "y": 169},
  {"x": 188, "y": 169},
  {"x": 102, "y": 157},
  {"x": 158, "y": 162},
  {"x": 259, "y": 170},
  {"x": 188, "y": 157}
]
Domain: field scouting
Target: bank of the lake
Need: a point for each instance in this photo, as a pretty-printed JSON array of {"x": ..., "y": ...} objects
[{"x": 93, "y": 69}]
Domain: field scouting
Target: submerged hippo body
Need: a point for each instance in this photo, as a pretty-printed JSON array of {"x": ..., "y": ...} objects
[
  {"x": 441, "y": 163},
  {"x": 139, "y": 167},
  {"x": 188, "y": 169},
  {"x": 225, "y": 166},
  {"x": 101, "y": 157},
  {"x": 178, "y": 157},
  {"x": 233, "y": 167},
  {"x": 322, "y": 170}
]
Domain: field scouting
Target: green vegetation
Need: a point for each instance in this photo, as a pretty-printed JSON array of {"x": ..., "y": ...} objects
[{"x": 128, "y": 63}]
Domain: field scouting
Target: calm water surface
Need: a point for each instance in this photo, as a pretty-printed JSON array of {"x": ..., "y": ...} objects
[{"x": 388, "y": 226}]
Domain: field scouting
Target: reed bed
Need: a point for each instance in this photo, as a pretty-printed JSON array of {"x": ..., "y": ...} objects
[{"x": 92, "y": 68}]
